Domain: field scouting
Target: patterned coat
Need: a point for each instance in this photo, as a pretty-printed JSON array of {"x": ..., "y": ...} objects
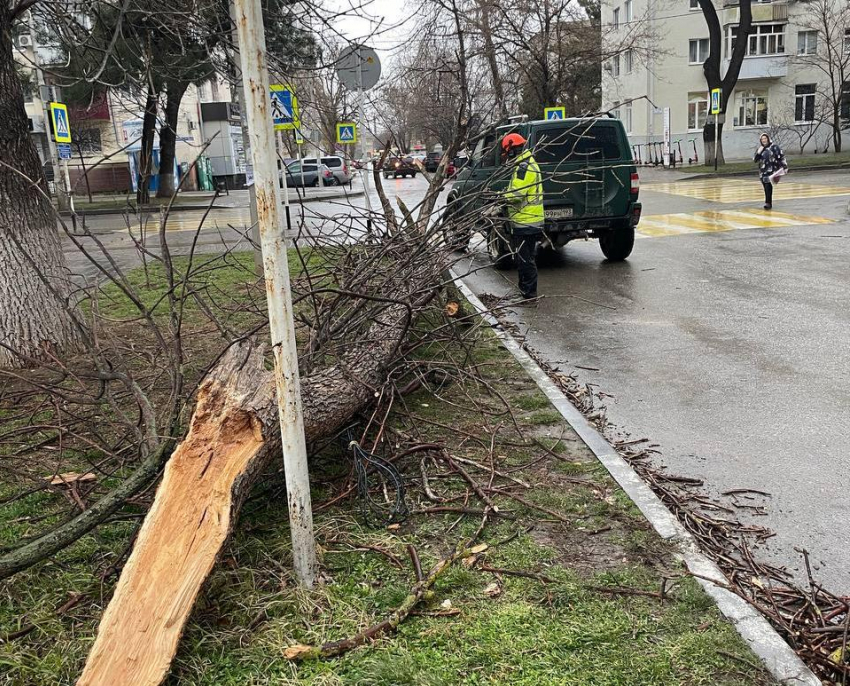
[{"x": 770, "y": 160}]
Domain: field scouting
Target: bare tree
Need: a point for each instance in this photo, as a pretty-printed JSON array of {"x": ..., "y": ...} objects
[
  {"x": 712, "y": 70},
  {"x": 829, "y": 20}
]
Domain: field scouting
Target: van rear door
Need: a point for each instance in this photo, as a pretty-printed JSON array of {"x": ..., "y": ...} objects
[{"x": 586, "y": 166}]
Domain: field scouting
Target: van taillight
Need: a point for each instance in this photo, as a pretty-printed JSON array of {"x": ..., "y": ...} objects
[{"x": 635, "y": 183}]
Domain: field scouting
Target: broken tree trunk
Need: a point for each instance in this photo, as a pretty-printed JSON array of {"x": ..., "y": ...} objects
[{"x": 234, "y": 435}]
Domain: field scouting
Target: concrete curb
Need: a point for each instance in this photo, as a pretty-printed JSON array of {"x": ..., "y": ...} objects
[
  {"x": 782, "y": 662},
  {"x": 339, "y": 193}
]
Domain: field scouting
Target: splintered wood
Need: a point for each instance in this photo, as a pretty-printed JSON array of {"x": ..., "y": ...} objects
[{"x": 177, "y": 545}]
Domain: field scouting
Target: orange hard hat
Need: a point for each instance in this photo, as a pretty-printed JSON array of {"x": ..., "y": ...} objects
[{"x": 512, "y": 140}]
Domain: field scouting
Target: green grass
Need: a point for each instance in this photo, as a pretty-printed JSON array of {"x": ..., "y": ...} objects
[
  {"x": 794, "y": 162},
  {"x": 529, "y": 633}
]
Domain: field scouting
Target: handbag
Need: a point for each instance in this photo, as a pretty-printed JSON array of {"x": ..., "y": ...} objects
[{"x": 777, "y": 175}]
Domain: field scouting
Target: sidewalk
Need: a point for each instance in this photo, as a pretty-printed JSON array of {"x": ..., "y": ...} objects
[
  {"x": 188, "y": 201},
  {"x": 797, "y": 163}
]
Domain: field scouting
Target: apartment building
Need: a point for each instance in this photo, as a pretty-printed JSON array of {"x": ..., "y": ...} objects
[
  {"x": 107, "y": 129},
  {"x": 665, "y": 42}
]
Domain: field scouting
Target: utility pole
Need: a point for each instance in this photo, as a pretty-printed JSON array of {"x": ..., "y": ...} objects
[
  {"x": 255, "y": 78},
  {"x": 236, "y": 95},
  {"x": 44, "y": 95}
]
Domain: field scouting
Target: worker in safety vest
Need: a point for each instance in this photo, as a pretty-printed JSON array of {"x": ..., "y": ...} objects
[{"x": 524, "y": 197}]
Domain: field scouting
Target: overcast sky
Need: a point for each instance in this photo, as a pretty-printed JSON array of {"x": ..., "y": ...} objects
[{"x": 381, "y": 24}]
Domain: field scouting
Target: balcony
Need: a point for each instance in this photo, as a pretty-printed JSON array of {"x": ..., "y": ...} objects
[
  {"x": 761, "y": 67},
  {"x": 774, "y": 11}
]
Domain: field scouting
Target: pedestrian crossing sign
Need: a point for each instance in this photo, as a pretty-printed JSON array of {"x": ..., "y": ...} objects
[
  {"x": 715, "y": 100},
  {"x": 61, "y": 125},
  {"x": 346, "y": 132},
  {"x": 551, "y": 113},
  {"x": 284, "y": 107}
]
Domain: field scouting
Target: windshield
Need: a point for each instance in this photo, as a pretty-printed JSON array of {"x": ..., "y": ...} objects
[{"x": 579, "y": 143}]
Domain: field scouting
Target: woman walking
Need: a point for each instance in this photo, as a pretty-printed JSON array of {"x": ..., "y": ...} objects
[{"x": 770, "y": 159}]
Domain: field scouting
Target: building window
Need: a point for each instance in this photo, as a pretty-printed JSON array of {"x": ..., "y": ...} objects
[
  {"x": 616, "y": 18},
  {"x": 693, "y": 4},
  {"x": 627, "y": 117},
  {"x": 807, "y": 42},
  {"x": 698, "y": 50},
  {"x": 697, "y": 111},
  {"x": 627, "y": 7},
  {"x": 615, "y": 65},
  {"x": 751, "y": 108},
  {"x": 766, "y": 39},
  {"x": 629, "y": 61},
  {"x": 846, "y": 40},
  {"x": 845, "y": 101},
  {"x": 804, "y": 102}
]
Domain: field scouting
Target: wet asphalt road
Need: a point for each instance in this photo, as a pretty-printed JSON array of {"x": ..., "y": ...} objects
[
  {"x": 731, "y": 350},
  {"x": 728, "y": 348},
  {"x": 341, "y": 219}
]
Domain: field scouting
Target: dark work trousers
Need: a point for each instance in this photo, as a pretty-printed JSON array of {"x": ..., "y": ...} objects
[
  {"x": 525, "y": 248},
  {"x": 768, "y": 192}
]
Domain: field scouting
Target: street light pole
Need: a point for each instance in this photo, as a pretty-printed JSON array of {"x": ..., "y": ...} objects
[
  {"x": 255, "y": 79},
  {"x": 361, "y": 94}
]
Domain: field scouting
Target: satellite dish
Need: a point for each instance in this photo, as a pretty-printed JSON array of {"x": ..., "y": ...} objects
[{"x": 358, "y": 67}]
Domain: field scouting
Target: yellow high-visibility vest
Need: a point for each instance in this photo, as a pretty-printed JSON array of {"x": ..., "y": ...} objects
[{"x": 525, "y": 192}]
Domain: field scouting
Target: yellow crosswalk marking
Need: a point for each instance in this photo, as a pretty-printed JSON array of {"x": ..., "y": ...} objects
[
  {"x": 731, "y": 190},
  {"x": 709, "y": 221}
]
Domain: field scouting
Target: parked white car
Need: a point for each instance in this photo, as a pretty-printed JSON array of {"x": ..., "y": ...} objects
[{"x": 338, "y": 166}]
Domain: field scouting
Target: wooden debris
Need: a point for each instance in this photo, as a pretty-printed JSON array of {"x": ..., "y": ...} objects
[{"x": 69, "y": 478}]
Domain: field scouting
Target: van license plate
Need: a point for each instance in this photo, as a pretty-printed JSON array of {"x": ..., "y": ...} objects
[{"x": 559, "y": 213}]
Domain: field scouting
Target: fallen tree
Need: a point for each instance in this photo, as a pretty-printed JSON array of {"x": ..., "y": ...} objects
[{"x": 234, "y": 436}]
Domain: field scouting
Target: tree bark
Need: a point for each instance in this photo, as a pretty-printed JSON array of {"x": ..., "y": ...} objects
[
  {"x": 168, "y": 139},
  {"x": 36, "y": 312},
  {"x": 836, "y": 130},
  {"x": 143, "y": 195},
  {"x": 711, "y": 67},
  {"x": 234, "y": 436}
]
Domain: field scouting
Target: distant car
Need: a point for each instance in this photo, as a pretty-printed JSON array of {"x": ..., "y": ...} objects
[
  {"x": 399, "y": 166},
  {"x": 313, "y": 175},
  {"x": 336, "y": 164},
  {"x": 432, "y": 161}
]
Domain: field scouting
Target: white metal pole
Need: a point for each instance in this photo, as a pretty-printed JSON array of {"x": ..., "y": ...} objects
[
  {"x": 716, "y": 137},
  {"x": 255, "y": 78},
  {"x": 68, "y": 189},
  {"x": 285, "y": 183},
  {"x": 246, "y": 144},
  {"x": 361, "y": 139},
  {"x": 301, "y": 161}
]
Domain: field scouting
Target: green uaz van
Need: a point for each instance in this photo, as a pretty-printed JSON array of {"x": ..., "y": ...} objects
[{"x": 590, "y": 187}]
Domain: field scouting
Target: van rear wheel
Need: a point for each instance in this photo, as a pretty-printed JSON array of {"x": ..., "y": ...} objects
[
  {"x": 498, "y": 248},
  {"x": 617, "y": 244},
  {"x": 455, "y": 230}
]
